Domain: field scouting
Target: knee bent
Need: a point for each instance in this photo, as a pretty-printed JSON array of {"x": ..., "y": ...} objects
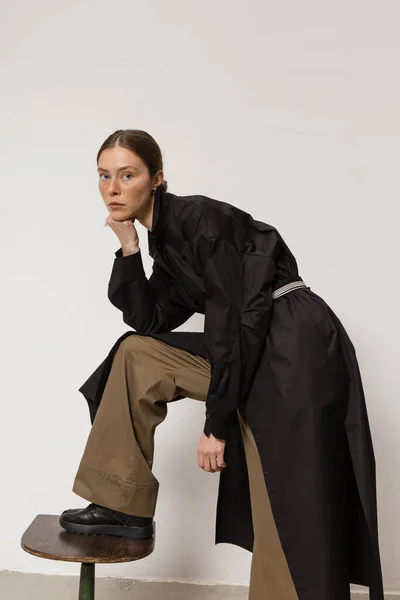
[{"x": 133, "y": 342}]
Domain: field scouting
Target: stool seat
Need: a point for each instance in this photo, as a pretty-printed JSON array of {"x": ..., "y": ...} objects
[{"x": 47, "y": 539}]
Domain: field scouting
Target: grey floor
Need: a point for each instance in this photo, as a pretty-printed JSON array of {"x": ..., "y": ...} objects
[{"x": 15, "y": 585}]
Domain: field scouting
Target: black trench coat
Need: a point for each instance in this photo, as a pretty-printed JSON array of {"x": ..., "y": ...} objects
[{"x": 288, "y": 363}]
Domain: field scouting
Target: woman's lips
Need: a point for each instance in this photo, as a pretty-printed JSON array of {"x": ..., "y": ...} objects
[{"x": 115, "y": 205}]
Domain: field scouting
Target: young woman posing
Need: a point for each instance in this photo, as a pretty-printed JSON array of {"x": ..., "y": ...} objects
[{"x": 286, "y": 423}]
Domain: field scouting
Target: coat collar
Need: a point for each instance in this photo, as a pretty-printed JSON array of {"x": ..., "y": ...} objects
[
  {"x": 159, "y": 221},
  {"x": 160, "y": 212}
]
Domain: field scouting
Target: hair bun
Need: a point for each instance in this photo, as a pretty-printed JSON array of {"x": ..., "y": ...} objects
[{"x": 165, "y": 184}]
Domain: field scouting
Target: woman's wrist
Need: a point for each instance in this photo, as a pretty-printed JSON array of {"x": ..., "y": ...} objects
[{"x": 127, "y": 250}]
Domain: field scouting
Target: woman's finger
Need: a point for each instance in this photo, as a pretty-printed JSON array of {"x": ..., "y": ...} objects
[
  {"x": 213, "y": 463},
  {"x": 206, "y": 463},
  {"x": 200, "y": 458},
  {"x": 220, "y": 460}
]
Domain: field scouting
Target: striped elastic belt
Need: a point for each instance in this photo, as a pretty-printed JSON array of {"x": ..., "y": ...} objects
[{"x": 294, "y": 285}]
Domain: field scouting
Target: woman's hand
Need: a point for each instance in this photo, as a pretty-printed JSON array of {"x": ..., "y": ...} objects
[
  {"x": 210, "y": 452},
  {"x": 126, "y": 233}
]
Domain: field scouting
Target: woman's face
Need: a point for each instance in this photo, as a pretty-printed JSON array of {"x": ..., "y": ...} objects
[{"x": 124, "y": 179}]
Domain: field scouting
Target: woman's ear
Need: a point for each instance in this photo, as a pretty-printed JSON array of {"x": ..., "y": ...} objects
[{"x": 159, "y": 178}]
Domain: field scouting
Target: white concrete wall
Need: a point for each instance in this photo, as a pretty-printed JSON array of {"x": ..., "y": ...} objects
[{"x": 289, "y": 110}]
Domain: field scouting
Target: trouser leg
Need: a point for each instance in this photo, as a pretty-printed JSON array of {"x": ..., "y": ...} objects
[
  {"x": 270, "y": 578},
  {"x": 115, "y": 470},
  {"x": 146, "y": 373}
]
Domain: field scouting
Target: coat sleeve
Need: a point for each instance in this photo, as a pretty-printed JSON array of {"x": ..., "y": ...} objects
[
  {"x": 237, "y": 317},
  {"x": 151, "y": 305}
]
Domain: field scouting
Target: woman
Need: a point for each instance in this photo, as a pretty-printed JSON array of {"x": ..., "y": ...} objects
[{"x": 286, "y": 422}]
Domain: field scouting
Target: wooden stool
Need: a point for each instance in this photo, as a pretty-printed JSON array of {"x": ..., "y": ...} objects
[{"x": 47, "y": 539}]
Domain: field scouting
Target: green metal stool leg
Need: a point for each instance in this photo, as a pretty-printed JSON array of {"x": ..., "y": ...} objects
[{"x": 86, "y": 582}]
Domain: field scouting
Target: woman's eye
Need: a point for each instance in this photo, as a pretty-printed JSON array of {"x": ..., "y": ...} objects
[{"x": 104, "y": 176}]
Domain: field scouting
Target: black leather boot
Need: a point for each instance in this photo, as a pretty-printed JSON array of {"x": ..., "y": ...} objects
[{"x": 96, "y": 519}]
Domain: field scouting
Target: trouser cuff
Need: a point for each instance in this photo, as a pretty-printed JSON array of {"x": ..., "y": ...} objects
[{"x": 111, "y": 492}]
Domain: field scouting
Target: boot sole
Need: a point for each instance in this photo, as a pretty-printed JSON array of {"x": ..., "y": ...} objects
[{"x": 133, "y": 533}]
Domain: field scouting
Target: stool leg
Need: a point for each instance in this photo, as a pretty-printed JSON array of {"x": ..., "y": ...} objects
[{"x": 86, "y": 582}]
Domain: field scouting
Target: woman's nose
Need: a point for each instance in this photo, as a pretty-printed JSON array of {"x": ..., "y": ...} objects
[{"x": 113, "y": 188}]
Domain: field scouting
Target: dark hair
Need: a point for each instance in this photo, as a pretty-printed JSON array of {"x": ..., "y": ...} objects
[{"x": 141, "y": 143}]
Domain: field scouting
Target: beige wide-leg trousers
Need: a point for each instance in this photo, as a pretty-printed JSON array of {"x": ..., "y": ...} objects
[{"x": 115, "y": 469}]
